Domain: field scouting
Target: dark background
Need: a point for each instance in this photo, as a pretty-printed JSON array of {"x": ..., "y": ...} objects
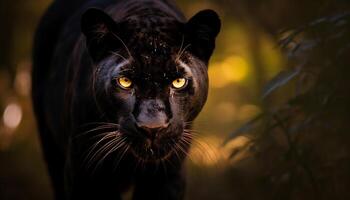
[{"x": 279, "y": 91}]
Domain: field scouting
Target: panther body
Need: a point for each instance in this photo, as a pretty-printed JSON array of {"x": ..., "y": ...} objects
[{"x": 116, "y": 86}]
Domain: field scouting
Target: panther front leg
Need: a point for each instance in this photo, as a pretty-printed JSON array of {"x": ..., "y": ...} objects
[
  {"x": 81, "y": 183},
  {"x": 160, "y": 187}
]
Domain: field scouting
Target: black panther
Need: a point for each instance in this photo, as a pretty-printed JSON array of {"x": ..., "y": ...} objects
[{"x": 116, "y": 87}]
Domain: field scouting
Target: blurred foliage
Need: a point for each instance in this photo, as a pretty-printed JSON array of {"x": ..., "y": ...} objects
[
  {"x": 302, "y": 145},
  {"x": 279, "y": 77}
]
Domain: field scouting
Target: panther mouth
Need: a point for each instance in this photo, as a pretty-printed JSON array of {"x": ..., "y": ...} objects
[
  {"x": 163, "y": 145},
  {"x": 149, "y": 151},
  {"x": 154, "y": 151}
]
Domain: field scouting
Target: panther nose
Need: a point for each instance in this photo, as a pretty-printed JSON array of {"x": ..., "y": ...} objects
[{"x": 152, "y": 130}]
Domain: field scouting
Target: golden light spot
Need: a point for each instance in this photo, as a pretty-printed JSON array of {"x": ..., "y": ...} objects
[
  {"x": 225, "y": 112},
  {"x": 232, "y": 69},
  {"x": 215, "y": 76},
  {"x": 124, "y": 82},
  {"x": 237, "y": 142},
  {"x": 23, "y": 82},
  {"x": 240, "y": 147},
  {"x": 206, "y": 151},
  {"x": 12, "y": 116},
  {"x": 235, "y": 68},
  {"x": 248, "y": 111},
  {"x": 179, "y": 83}
]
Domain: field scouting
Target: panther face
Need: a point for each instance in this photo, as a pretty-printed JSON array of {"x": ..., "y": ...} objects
[{"x": 151, "y": 77}]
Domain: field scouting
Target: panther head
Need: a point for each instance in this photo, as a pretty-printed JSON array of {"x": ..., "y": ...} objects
[{"x": 151, "y": 76}]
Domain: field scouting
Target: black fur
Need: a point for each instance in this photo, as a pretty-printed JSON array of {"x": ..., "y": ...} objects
[{"x": 99, "y": 138}]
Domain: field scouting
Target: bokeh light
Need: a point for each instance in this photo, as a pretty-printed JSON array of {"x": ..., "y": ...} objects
[
  {"x": 225, "y": 111},
  {"x": 232, "y": 69},
  {"x": 23, "y": 81},
  {"x": 248, "y": 111},
  {"x": 12, "y": 115}
]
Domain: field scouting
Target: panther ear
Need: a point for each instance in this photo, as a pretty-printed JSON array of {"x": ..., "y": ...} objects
[
  {"x": 201, "y": 31},
  {"x": 99, "y": 29}
]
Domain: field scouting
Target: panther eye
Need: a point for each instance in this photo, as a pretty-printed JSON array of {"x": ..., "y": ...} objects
[
  {"x": 179, "y": 83},
  {"x": 124, "y": 82}
]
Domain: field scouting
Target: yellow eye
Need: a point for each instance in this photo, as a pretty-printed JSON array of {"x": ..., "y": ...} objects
[
  {"x": 179, "y": 83},
  {"x": 124, "y": 82}
]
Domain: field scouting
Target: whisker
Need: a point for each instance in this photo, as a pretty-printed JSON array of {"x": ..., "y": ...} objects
[
  {"x": 137, "y": 164},
  {"x": 142, "y": 163},
  {"x": 99, "y": 135},
  {"x": 127, "y": 146},
  {"x": 157, "y": 165},
  {"x": 102, "y": 127},
  {"x": 123, "y": 43},
  {"x": 98, "y": 123},
  {"x": 167, "y": 159},
  {"x": 100, "y": 151},
  {"x": 182, "y": 43},
  {"x": 97, "y": 154},
  {"x": 175, "y": 151},
  {"x": 124, "y": 70},
  {"x": 192, "y": 131},
  {"x": 178, "y": 145},
  {"x": 201, "y": 147},
  {"x": 164, "y": 166},
  {"x": 189, "y": 122},
  {"x": 93, "y": 147},
  {"x": 178, "y": 53},
  {"x": 190, "y": 136},
  {"x": 182, "y": 52},
  {"x": 118, "y": 55},
  {"x": 115, "y": 145}
]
